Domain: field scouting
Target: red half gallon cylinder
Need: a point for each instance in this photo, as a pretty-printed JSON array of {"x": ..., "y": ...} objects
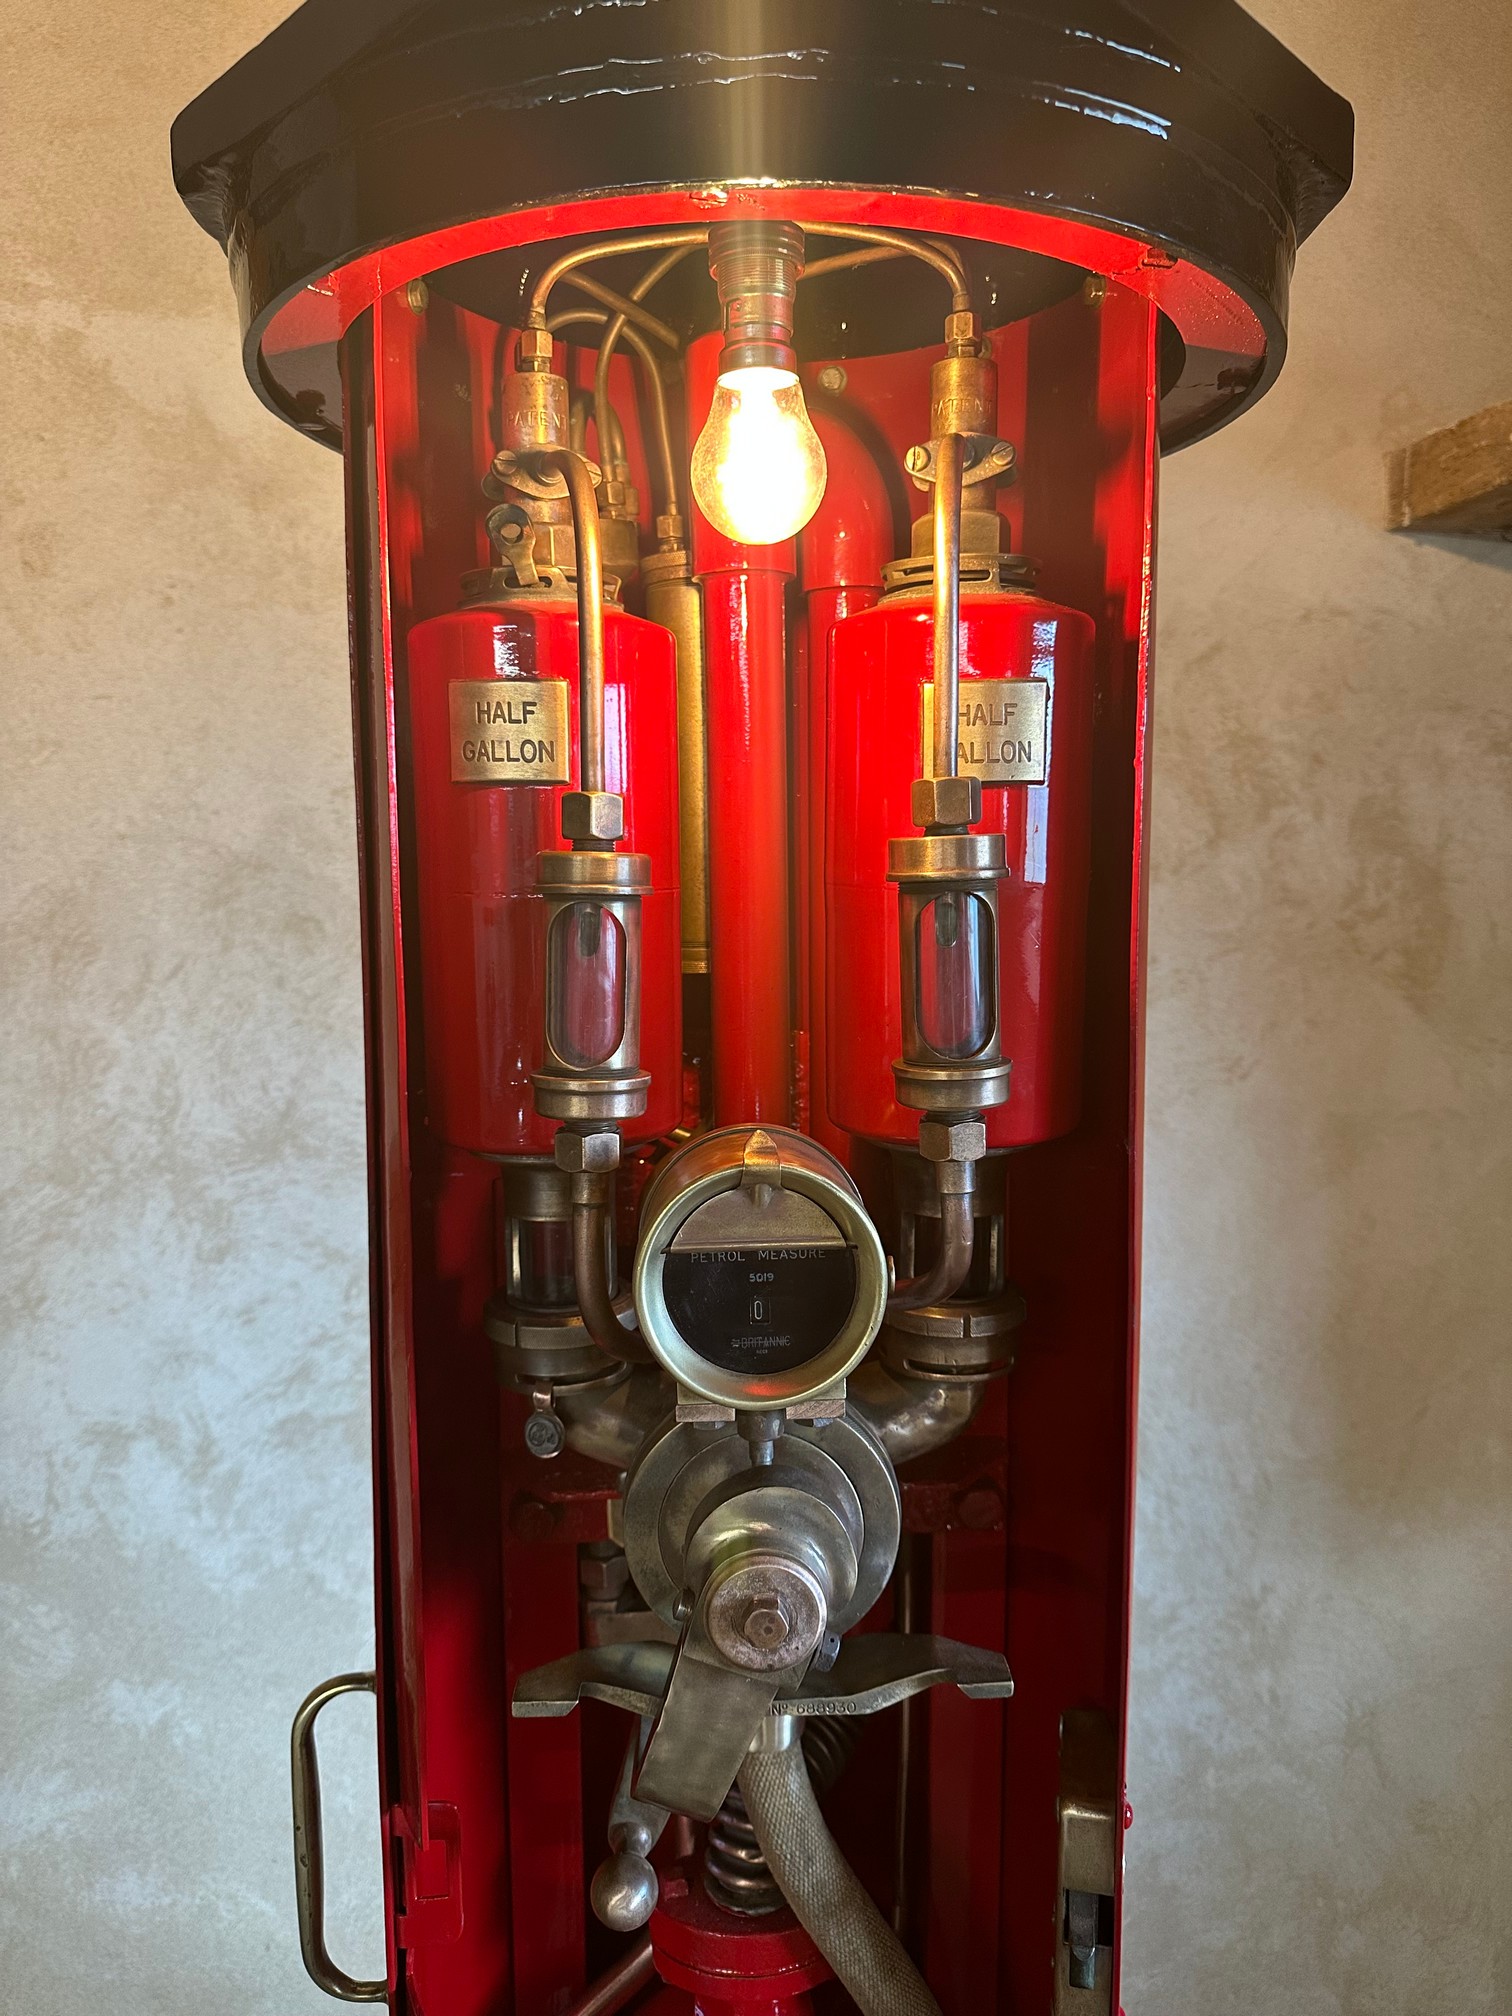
[
  {"x": 1026, "y": 670},
  {"x": 493, "y": 711}
]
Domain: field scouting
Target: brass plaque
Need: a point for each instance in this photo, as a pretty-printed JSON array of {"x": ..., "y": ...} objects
[
  {"x": 1002, "y": 733},
  {"x": 510, "y": 731}
]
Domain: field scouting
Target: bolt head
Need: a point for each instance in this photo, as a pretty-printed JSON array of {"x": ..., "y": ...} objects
[
  {"x": 831, "y": 379},
  {"x": 765, "y": 1626},
  {"x": 952, "y": 1140},
  {"x": 534, "y": 346},
  {"x": 603, "y": 1575},
  {"x": 767, "y": 1613},
  {"x": 592, "y": 815},
  {"x": 946, "y": 801},
  {"x": 587, "y": 1154},
  {"x": 624, "y": 1891},
  {"x": 545, "y": 1436},
  {"x": 916, "y": 461}
]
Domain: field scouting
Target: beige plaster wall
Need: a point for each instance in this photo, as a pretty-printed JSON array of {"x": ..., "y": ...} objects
[
  {"x": 1320, "y": 1762},
  {"x": 1321, "y": 1765}
]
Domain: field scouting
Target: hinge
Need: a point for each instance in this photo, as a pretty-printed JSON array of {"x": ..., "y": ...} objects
[
  {"x": 432, "y": 1909},
  {"x": 1088, "y": 1813}
]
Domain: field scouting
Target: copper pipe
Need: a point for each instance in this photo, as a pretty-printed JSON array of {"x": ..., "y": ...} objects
[
  {"x": 612, "y": 333},
  {"x": 618, "y": 1984},
  {"x": 952, "y": 1262},
  {"x": 590, "y": 607},
  {"x": 595, "y": 1305},
  {"x": 607, "y": 248},
  {"x": 950, "y": 463},
  {"x": 844, "y": 262},
  {"x": 943, "y": 258},
  {"x": 582, "y": 407},
  {"x": 623, "y": 305},
  {"x": 656, "y": 385}
]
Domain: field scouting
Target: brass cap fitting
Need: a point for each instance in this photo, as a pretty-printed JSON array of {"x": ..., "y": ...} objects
[
  {"x": 591, "y": 1154},
  {"x": 946, "y": 801},
  {"x": 945, "y": 1140},
  {"x": 592, "y": 815}
]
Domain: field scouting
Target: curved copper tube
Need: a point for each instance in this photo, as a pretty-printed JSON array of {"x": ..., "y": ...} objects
[
  {"x": 617, "y": 326},
  {"x": 952, "y": 1263},
  {"x": 598, "y": 317},
  {"x": 593, "y": 1299},
  {"x": 608, "y": 248},
  {"x": 942, "y": 258}
]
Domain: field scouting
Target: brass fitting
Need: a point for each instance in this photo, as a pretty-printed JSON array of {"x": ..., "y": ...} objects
[
  {"x": 952, "y": 1140},
  {"x": 587, "y": 1154},
  {"x": 535, "y": 406},
  {"x": 946, "y": 801},
  {"x": 963, "y": 392},
  {"x": 593, "y": 816}
]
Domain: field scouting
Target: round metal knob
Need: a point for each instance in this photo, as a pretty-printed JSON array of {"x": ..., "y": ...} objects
[{"x": 624, "y": 1891}]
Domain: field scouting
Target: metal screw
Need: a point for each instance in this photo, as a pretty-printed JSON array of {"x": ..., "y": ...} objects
[
  {"x": 1094, "y": 290},
  {"x": 765, "y": 1625},
  {"x": 916, "y": 461},
  {"x": 831, "y": 379},
  {"x": 417, "y": 294},
  {"x": 1002, "y": 453}
]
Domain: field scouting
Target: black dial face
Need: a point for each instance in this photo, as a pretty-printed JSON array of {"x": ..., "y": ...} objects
[{"x": 760, "y": 1309}]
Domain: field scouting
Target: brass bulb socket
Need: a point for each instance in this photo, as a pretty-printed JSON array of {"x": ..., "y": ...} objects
[{"x": 756, "y": 264}]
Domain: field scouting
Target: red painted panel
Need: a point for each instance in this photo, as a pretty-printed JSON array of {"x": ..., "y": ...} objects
[{"x": 750, "y": 904}]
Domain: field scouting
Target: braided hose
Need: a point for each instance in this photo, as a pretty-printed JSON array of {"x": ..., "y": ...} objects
[{"x": 825, "y": 1893}]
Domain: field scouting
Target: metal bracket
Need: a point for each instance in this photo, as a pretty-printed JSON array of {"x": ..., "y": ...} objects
[
  {"x": 871, "y": 1673},
  {"x": 987, "y": 459}
]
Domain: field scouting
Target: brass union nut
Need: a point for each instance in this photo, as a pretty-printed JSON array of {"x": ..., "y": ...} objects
[
  {"x": 534, "y": 346},
  {"x": 587, "y": 1154},
  {"x": 592, "y": 815},
  {"x": 946, "y": 801},
  {"x": 952, "y": 1140},
  {"x": 961, "y": 327}
]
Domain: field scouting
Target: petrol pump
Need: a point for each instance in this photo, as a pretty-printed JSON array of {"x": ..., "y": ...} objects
[{"x": 751, "y": 419}]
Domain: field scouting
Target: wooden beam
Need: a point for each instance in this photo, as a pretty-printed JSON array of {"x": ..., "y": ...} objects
[{"x": 1458, "y": 480}]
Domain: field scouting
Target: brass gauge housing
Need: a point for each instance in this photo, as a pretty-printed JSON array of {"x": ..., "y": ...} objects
[{"x": 760, "y": 1281}]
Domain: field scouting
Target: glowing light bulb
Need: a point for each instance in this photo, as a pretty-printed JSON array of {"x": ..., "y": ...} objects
[{"x": 758, "y": 466}]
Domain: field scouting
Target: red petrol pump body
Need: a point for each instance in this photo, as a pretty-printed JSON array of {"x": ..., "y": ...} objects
[{"x": 751, "y": 421}]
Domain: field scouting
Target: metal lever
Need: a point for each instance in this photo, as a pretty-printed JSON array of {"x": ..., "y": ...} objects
[
  {"x": 871, "y": 1673},
  {"x": 625, "y": 1886},
  {"x": 309, "y": 1853},
  {"x": 704, "y": 1726}
]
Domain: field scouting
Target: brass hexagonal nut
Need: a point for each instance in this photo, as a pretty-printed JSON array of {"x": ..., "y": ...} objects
[
  {"x": 962, "y": 326},
  {"x": 587, "y": 1154},
  {"x": 947, "y": 801},
  {"x": 592, "y": 815},
  {"x": 534, "y": 345},
  {"x": 952, "y": 1140}
]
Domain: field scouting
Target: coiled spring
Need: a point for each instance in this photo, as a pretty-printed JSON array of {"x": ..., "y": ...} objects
[{"x": 735, "y": 1872}]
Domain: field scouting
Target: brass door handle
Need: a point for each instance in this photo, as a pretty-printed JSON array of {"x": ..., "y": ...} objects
[{"x": 309, "y": 1852}]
